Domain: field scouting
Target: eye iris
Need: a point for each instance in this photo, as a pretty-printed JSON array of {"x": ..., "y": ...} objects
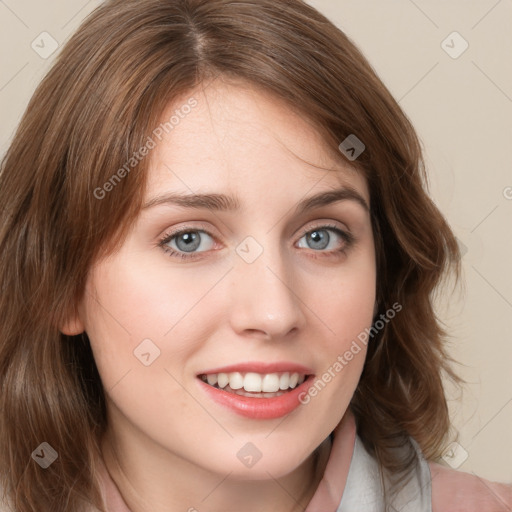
[
  {"x": 319, "y": 238},
  {"x": 191, "y": 241}
]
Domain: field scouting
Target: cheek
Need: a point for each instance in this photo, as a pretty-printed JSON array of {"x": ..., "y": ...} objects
[
  {"x": 347, "y": 313},
  {"x": 346, "y": 310},
  {"x": 142, "y": 298},
  {"x": 346, "y": 301},
  {"x": 142, "y": 337},
  {"x": 130, "y": 301}
]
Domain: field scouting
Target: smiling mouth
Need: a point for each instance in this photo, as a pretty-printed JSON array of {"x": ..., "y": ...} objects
[{"x": 255, "y": 385}]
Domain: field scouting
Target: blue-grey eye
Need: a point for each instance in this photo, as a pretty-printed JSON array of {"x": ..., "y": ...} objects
[
  {"x": 189, "y": 241},
  {"x": 320, "y": 238}
]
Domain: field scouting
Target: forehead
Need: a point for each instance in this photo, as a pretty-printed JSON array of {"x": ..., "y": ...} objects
[{"x": 237, "y": 137}]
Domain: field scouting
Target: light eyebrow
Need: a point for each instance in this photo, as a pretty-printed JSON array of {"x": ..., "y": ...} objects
[{"x": 222, "y": 202}]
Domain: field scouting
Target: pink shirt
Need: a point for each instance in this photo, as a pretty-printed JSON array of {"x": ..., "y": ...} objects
[
  {"x": 456, "y": 491},
  {"x": 452, "y": 491}
]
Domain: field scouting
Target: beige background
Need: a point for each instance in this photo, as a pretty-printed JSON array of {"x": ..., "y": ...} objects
[{"x": 462, "y": 109}]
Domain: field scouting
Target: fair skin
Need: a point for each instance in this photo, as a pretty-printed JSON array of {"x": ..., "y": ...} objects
[{"x": 169, "y": 446}]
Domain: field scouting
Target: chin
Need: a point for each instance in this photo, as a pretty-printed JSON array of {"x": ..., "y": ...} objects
[{"x": 255, "y": 460}]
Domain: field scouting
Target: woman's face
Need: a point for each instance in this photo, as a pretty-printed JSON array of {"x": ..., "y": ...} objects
[{"x": 260, "y": 285}]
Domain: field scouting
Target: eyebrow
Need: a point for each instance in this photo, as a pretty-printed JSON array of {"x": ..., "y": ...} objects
[{"x": 222, "y": 202}]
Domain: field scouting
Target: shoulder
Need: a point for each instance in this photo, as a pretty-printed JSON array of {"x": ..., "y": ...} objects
[{"x": 456, "y": 491}]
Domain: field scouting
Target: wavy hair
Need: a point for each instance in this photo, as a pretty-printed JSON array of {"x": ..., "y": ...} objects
[{"x": 96, "y": 106}]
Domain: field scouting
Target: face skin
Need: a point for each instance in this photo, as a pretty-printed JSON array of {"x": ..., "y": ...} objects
[{"x": 169, "y": 446}]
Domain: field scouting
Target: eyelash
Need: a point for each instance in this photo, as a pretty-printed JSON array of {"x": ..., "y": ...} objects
[{"x": 348, "y": 238}]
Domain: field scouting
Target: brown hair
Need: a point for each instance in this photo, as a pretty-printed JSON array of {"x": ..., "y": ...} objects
[{"x": 95, "y": 108}]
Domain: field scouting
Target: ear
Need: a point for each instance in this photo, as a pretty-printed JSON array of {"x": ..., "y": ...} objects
[{"x": 72, "y": 326}]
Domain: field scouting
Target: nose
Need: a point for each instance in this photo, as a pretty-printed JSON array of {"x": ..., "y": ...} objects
[{"x": 266, "y": 297}]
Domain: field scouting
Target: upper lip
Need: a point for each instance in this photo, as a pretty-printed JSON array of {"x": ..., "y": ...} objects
[{"x": 260, "y": 367}]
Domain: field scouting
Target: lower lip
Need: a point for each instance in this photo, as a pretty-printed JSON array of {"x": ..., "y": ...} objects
[{"x": 259, "y": 408}]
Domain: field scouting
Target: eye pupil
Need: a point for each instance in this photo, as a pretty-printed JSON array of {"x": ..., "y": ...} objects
[{"x": 191, "y": 241}]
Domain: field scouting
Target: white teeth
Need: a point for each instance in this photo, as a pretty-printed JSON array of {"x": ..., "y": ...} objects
[
  {"x": 270, "y": 383},
  {"x": 236, "y": 380},
  {"x": 255, "y": 382},
  {"x": 223, "y": 380},
  {"x": 284, "y": 381},
  {"x": 252, "y": 382}
]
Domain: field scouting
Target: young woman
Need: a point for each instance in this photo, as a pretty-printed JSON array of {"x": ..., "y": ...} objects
[{"x": 217, "y": 265}]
